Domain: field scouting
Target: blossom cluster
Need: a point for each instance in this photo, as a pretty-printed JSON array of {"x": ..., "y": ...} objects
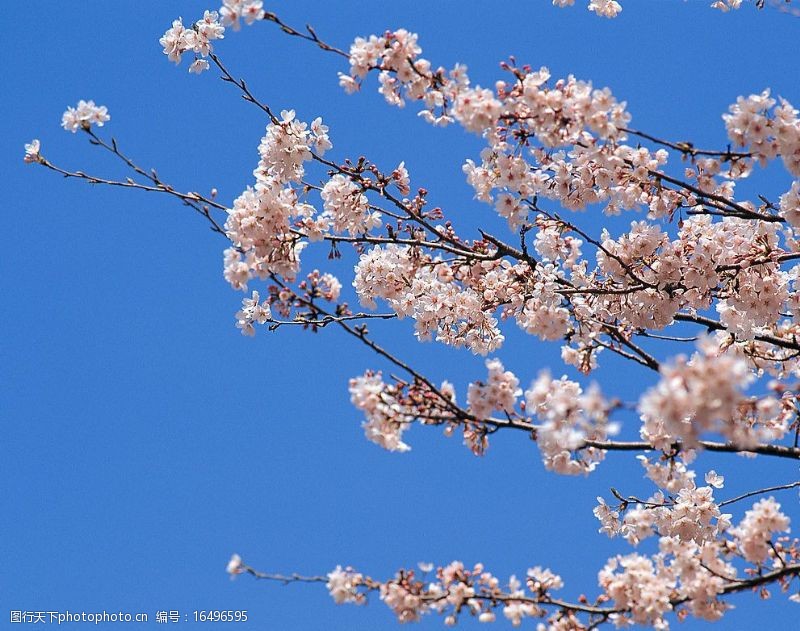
[
  {"x": 84, "y": 115},
  {"x": 570, "y": 417},
  {"x": 260, "y": 224},
  {"x": 233, "y": 12},
  {"x": 500, "y": 392},
  {"x": 347, "y": 208},
  {"x": 691, "y": 515},
  {"x": 766, "y": 130},
  {"x": 253, "y": 311},
  {"x": 572, "y": 421},
  {"x": 196, "y": 39},
  {"x": 387, "y": 417},
  {"x": 703, "y": 394},
  {"x": 455, "y": 590},
  {"x": 448, "y": 303},
  {"x": 754, "y": 533},
  {"x": 343, "y": 585},
  {"x": 32, "y": 150}
]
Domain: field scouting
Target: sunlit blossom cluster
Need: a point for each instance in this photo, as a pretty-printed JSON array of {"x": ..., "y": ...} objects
[
  {"x": 346, "y": 208},
  {"x": 499, "y": 392},
  {"x": 448, "y": 303},
  {"x": 766, "y": 130},
  {"x": 343, "y": 585},
  {"x": 454, "y": 591},
  {"x": 252, "y": 312},
  {"x": 260, "y": 225},
  {"x": 83, "y": 116},
  {"x": 196, "y": 39},
  {"x": 386, "y": 415},
  {"x": 32, "y": 151},
  {"x": 705, "y": 393},
  {"x": 234, "y": 12},
  {"x": 754, "y": 533},
  {"x": 569, "y": 418}
]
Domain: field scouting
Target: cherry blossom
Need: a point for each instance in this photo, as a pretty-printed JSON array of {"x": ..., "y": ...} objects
[
  {"x": 234, "y": 11},
  {"x": 343, "y": 585},
  {"x": 500, "y": 391},
  {"x": 754, "y": 532},
  {"x": 32, "y": 151},
  {"x": 235, "y": 565},
  {"x": 347, "y": 208},
  {"x": 790, "y": 205},
  {"x": 252, "y": 311},
  {"x": 387, "y": 418},
  {"x": 84, "y": 115},
  {"x": 196, "y": 39}
]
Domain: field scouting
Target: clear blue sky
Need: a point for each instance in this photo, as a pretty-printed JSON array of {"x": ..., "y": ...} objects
[{"x": 144, "y": 439}]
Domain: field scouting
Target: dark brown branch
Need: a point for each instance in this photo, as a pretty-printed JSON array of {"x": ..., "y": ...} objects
[
  {"x": 780, "y": 487},
  {"x": 714, "y": 325},
  {"x": 310, "y": 35},
  {"x": 688, "y": 148}
]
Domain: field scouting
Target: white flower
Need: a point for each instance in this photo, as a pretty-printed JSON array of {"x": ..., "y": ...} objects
[
  {"x": 198, "y": 66},
  {"x": 252, "y": 311},
  {"x": 32, "y": 151},
  {"x": 714, "y": 479},
  {"x": 234, "y": 10},
  {"x": 235, "y": 565},
  {"x": 343, "y": 585}
]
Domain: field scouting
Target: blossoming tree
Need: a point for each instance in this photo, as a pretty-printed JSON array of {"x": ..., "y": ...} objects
[{"x": 700, "y": 290}]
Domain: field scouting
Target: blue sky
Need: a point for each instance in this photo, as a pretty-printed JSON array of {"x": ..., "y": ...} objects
[{"x": 145, "y": 439}]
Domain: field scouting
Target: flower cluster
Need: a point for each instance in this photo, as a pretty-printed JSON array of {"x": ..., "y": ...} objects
[
  {"x": 84, "y": 116},
  {"x": 252, "y": 311},
  {"x": 347, "y": 208},
  {"x": 457, "y": 590},
  {"x": 500, "y": 392},
  {"x": 260, "y": 224},
  {"x": 387, "y": 417},
  {"x": 704, "y": 393},
  {"x": 454, "y": 305},
  {"x": 196, "y": 39},
  {"x": 766, "y": 130},
  {"x": 234, "y": 11},
  {"x": 343, "y": 586},
  {"x": 691, "y": 516},
  {"x": 634, "y": 582},
  {"x": 790, "y": 205},
  {"x": 753, "y": 535},
  {"x": 287, "y": 145},
  {"x": 641, "y": 589},
  {"x": 570, "y": 417}
]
